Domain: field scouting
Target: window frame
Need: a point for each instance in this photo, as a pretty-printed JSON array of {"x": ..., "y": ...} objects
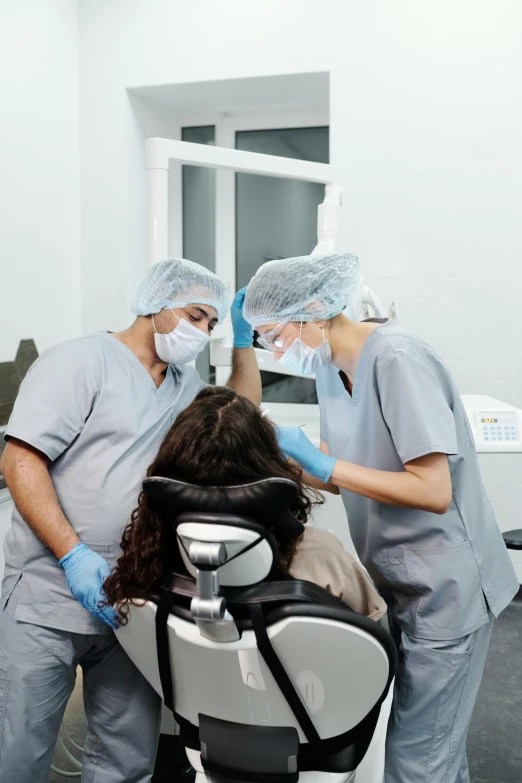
[{"x": 226, "y": 126}]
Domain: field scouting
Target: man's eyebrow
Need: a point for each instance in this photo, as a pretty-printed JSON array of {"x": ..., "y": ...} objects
[{"x": 204, "y": 312}]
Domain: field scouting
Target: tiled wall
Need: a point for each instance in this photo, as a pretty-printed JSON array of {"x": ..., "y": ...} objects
[
  {"x": 11, "y": 376},
  {"x": 476, "y": 331},
  {"x": 2, "y": 447}
]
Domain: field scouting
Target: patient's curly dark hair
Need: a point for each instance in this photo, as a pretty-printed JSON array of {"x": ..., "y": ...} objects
[{"x": 221, "y": 439}]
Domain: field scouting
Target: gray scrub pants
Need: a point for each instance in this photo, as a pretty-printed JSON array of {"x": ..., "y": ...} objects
[
  {"x": 37, "y": 676},
  {"x": 435, "y": 692}
]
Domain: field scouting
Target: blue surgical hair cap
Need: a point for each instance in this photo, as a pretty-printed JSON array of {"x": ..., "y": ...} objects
[
  {"x": 306, "y": 288},
  {"x": 177, "y": 283}
]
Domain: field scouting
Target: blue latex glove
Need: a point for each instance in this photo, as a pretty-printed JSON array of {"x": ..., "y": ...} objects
[
  {"x": 243, "y": 332},
  {"x": 86, "y": 572},
  {"x": 295, "y": 444}
]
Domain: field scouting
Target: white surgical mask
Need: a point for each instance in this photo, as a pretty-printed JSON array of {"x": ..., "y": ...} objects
[
  {"x": 182, "y": 345},
  {"x": 301, "y": 358}
]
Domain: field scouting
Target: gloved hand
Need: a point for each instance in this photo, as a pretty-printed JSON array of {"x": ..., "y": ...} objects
[
  {"x": 86, "y": 572},
  {"x": 295, "y": 444},
  {"x": 243, "y": 332}
]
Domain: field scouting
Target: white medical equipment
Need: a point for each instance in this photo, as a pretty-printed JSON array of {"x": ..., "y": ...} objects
[
  {"x": 268, "y": 679},
  {"x": 497, "y": 430}
]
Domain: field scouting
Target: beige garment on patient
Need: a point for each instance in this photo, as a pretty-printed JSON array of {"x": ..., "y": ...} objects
[{"x": 321, "y": 558}]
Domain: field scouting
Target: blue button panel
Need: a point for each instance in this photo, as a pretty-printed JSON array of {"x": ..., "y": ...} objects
[{"x": 499, "y": 433}]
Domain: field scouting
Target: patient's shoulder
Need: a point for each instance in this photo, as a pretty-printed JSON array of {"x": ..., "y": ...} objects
[
  {"x": 322, "y": 540},
  {"x": 321, "y": 558},
  {"x": 319, "y": 552}
]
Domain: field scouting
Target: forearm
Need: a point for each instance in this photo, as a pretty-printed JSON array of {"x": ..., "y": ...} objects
[
  {"x": 27, "y": 477},
  {"x": 404, "y": 489},
  {"x": 246, "y": 378},
  {"x": 316, "y": 483}
]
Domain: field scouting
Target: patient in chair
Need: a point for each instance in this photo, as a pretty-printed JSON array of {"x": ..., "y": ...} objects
[{"x": 222, "y": 439}]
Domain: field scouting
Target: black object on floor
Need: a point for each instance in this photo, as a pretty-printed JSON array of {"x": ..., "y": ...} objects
[
  {"x": 494, "y": 747},
  {"x": 172, "y": 764},
  {"x": 513, "y": 538}
]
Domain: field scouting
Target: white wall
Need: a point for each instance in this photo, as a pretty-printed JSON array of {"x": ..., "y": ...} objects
[
  {"x": 435, "y": 167},
  {"x": 39, "y": 180},
  {"x": 425, "y": 122}
]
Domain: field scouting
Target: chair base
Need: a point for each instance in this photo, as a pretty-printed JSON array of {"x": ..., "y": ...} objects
[
  {"x": 304, "y": 777},
  {"x": 307, "y": 777},
  {"x": 171, "y": 761},
  {"x": 370, "y": 770}
]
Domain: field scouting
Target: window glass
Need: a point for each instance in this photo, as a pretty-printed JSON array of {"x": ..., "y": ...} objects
[
  {"x": 199, "y": 221},
  {"x": 277, "y": 218}
]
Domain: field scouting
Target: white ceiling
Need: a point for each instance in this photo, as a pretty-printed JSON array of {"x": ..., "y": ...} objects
[{"x": 287, "y": 91}]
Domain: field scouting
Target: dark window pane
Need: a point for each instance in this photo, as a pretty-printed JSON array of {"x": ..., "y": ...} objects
[
  {"x": 199, "y": 221},
  {"x": 277, "y": 218}
]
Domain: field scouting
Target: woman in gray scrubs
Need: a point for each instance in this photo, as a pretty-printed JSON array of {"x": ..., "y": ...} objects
[
  {"x": 88, "y": 420},
  {"x": 395, "y": 441}
]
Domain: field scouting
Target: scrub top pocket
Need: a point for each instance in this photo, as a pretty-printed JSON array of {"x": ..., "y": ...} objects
[
  {"x": 435, "y": 590},
  {"x": 449, "y": 580},
  {"x": 9, "y": 592},
  {"x": 42, "y": 586}
]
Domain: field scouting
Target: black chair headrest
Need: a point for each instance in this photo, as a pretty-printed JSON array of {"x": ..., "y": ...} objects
[{"x": 267, "y": 501}]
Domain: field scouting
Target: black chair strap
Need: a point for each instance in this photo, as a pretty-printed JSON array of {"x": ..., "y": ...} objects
[
  {"x": 189, "y": 734},
  {"x": 162, "y": 644},
  {"x": 280, "y": 676}
]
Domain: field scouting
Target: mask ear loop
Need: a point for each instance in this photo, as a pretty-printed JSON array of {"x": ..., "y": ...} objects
[{"x": 154, "y": 325}]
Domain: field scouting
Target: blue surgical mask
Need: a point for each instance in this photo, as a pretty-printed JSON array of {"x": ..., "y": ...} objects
[{"x": 305, "y": 360}]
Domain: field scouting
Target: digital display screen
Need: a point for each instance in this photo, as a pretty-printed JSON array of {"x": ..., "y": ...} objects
[{"x": 497, "y": 427}]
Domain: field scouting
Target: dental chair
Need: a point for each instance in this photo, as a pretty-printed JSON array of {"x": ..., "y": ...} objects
[{"x": 271, "y": 680}]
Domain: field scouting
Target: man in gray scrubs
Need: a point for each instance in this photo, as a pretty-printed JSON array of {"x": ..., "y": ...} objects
[
  {"x": 396, "y": 441},
  {"x": 88, "y": 421}
]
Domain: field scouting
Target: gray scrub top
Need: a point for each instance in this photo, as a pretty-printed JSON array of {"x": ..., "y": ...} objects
[
  {"x": 94, "y": 410},
  {"x": 437, "y": 572}
]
